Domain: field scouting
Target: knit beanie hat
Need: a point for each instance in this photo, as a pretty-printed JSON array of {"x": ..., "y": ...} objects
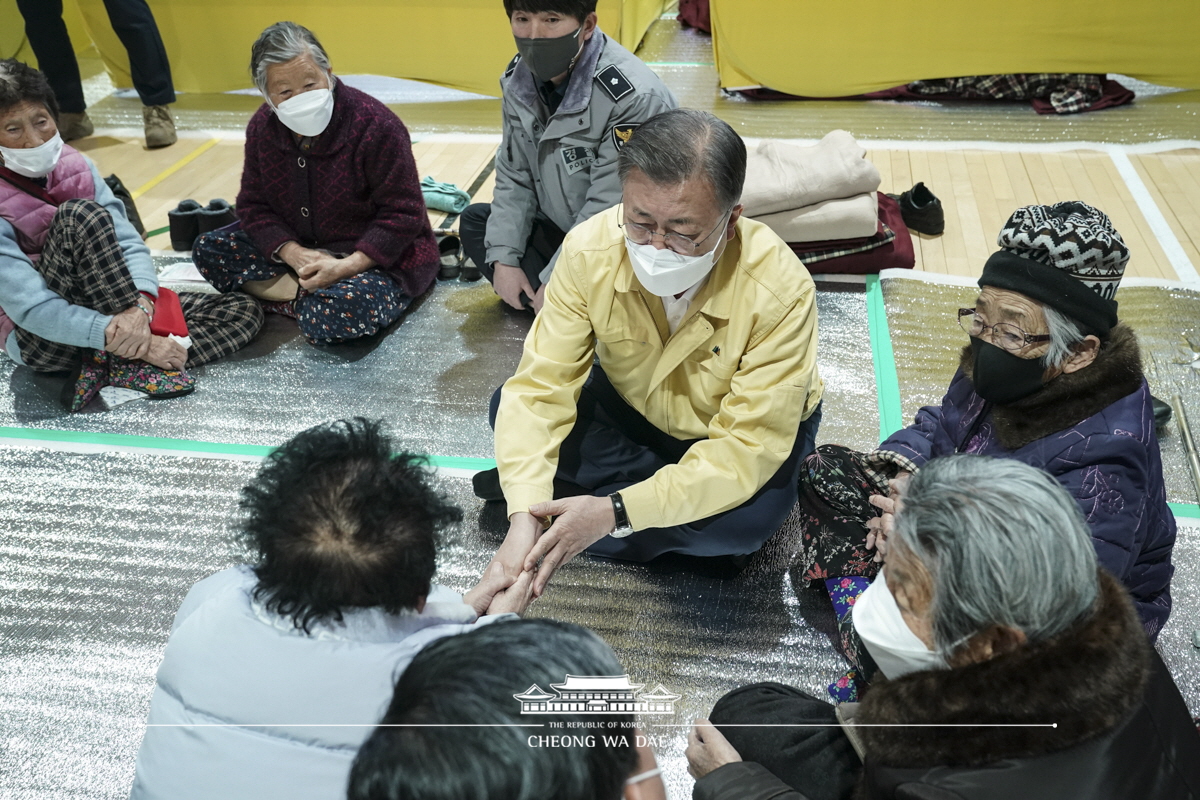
[{"x": 1067, "y": 256}]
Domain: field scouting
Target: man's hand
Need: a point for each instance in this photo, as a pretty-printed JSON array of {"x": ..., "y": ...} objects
[
  {"x": 166, "y": 353},
  {"x": 516, "y": 598},
  {"x": 708, "y": 749},
  {"x": 128, "y": 334},
  {"x": 880, "y": 528},
  {"x": 493, "y": 581},
  {"x": 581, "y": 522},
  {"x": 539, "y": 297},
  {"x": 509, "y": 282},
  {"x": 523, "y": 532}
]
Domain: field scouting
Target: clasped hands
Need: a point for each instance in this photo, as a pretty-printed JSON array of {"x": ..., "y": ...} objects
[
  {"x": 534, "y": 549},
  {"x": 128, "y": 335},
  {"x": 317, "y": 269},
  {"x": 879, "y": 528}
]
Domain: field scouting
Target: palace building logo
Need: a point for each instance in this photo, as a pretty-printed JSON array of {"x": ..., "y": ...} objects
[{"x": 597, "y": 694}]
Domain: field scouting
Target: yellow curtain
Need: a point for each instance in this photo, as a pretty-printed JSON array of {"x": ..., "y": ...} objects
[
  {"x": 12, "y": 31},
  {"x": 824, "y": 49},
  {"x": 463, "y": 44}
]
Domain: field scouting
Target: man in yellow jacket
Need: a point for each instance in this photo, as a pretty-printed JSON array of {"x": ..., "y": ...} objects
[{"x": 689, "y": 432}]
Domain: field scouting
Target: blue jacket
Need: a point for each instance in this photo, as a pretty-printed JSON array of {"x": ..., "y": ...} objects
[{"x": 1093, "y": 430}]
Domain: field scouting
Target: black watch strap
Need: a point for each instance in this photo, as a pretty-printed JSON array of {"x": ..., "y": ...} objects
[{"x": 621, "y": 515}]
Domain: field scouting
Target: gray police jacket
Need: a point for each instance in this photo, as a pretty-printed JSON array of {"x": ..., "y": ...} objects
[{"x": 563, "y": 167}]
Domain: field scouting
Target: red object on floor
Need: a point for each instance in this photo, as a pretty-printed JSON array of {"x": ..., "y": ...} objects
[
  {"x": 896, "y": 254},
  {"x": 694, "y": 14},
  {"x": 168, "y": 315},
  {"x": 1114, "y": 95}
]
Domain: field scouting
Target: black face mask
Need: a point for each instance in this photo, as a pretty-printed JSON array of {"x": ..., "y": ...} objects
[
  {"x": 1002, "y": 377},
  {"x": 549, "y": 58}
]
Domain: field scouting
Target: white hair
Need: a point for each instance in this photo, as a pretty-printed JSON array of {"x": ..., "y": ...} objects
[
  {"x": 1064, "y": 332},
  {"x": 1003, "y": 543},
  {"x": 279, "y": 44}
]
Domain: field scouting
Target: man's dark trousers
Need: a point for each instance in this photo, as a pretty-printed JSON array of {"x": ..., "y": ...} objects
[{"x": 543, "y": 243}]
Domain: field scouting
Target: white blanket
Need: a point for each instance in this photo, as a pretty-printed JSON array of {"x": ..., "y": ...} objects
[
  {"x": 782, "y": 176},
  {"x": 851, "y": 218}
]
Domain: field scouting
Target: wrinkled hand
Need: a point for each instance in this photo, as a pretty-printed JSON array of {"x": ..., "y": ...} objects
[
  {"x": 516, "y": 598},
  {"x": 128, "y": 334},
  {"x": 539, "y": 297},
  {"x": 580, "y": 522},
  {"x": 493, "y": 581},
  {"x": 523, "y": 532},
  {"x": 510, "y": 282},
  {"x": 880, "y": 528},
  {"x": 317, "y": 269},
  {"x": 166, "y": 353},
  {"x": 708, "y": 749}
]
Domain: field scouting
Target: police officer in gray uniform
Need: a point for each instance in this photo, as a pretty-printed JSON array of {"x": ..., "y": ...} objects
[{"x": 571, "y": 98}]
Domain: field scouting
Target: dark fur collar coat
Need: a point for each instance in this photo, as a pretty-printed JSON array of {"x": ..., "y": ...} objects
[{"x": 1093, "y": 430}]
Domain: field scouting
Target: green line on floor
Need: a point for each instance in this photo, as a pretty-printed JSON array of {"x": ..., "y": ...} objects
[
  {"x": 193, "y": 446},
  {"x": 157, "y": 231},
  {"x": 887, "y": 384},
  {"x": 1185, "y": 510}
]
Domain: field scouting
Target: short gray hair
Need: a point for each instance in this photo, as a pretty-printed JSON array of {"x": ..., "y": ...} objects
[
  {"x": 1065, "y": 333},
  {"x": 1004, "y": 544},
  {"x": 682, "y": 143},
  {"x": 279, "y": 44}
]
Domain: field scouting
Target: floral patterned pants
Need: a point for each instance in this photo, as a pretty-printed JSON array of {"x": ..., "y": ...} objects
[{"x": 354, "y": 307}]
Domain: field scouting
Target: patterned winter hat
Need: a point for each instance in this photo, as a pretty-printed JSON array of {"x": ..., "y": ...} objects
[{"x": 1068, "y": 256}]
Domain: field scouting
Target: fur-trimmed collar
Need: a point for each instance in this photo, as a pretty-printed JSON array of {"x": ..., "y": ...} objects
[
  {"x": 1070, "y": 398},
  {"x": 1087, "y": 680}
]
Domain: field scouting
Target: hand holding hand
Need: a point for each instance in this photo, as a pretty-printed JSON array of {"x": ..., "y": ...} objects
[
  {"x": 708, "y": 749},
  {"x": 580, "y": 522},
  {"x": 516, "y": 598},
  {"x": 510, "y": 282},
  {"x": 493, "y": 581},
  {"x": 128, "y": 334}
]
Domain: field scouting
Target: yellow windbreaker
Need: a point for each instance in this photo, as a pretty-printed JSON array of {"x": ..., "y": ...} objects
[{"x": 740, "y": 371}]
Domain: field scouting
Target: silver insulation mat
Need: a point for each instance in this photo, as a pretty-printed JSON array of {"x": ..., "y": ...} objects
[
  {"x": 85, "y": 608},
  {"x": 926, "y": 341}
]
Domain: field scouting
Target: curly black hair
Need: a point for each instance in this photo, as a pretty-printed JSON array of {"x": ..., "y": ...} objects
[
  {"x": 579, "y": 9},
  {"x": 20, "y": 82},
  {"x": 338, "y": 521}
]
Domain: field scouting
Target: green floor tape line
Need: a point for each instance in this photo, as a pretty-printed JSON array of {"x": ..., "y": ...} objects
[
  {"x": 1185, "y": 510},
  {"x": 887, "y": 384},
  {"x": 157, "y": 231},
  {"x": 193, "y": 446}
]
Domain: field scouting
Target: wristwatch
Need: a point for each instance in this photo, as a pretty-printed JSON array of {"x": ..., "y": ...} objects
[{"x": 622, "y": 528}]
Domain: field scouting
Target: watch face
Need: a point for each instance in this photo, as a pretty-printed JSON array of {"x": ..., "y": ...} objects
[{"x": 622, "y": 532}]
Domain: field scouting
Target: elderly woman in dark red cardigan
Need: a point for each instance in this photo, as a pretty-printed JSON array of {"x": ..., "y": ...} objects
[{"x": 333, "y": 225}]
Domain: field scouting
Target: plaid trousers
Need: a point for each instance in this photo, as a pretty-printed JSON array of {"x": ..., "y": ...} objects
[{"x": 82, "y": 262}]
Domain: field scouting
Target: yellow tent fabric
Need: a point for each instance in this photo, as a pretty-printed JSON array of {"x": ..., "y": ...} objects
[
  {"x": 821, "y": 49},
  {"x": 463, "y": 44}
]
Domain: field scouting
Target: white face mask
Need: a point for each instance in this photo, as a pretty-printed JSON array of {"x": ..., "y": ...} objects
[
  {"x": 666, "y": 273},
  {"x": 308, "y": 113},
  {"x": 34, "y": 162},
  {"x": 889, "y": 640}
]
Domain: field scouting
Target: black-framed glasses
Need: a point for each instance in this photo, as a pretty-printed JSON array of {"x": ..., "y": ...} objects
[
  {"x": 1005, "y": 335},
  {"x": 676, "y": 242}
]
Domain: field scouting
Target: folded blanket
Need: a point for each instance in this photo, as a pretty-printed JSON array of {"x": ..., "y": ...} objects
[
  {"x": 852, "y": 218},
  {"x": 822, "y": 251},
  {"x": 444, "y": 196},
  {"x": 896, "y": 254},
  {"x": 782, "y": 176}
]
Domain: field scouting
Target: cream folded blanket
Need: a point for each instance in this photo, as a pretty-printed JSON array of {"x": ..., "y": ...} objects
[
  {"x": 782, "y": 176},
  {"x": 851, "y": 218}
]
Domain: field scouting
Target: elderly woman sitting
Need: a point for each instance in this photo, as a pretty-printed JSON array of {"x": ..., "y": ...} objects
[
  {"x": 308, "y": 638},
  {"x": 1020, "y": 665},
  {"x": 334, "y": 230},
  {"x": 77, "y": 287},
  {"x": 1051, "y": 378}
]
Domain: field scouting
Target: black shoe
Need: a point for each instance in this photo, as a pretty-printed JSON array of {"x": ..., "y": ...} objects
[
  {"x": 922, "y": 211},
  {"x": 1162, "y": 412},
  {"x": 470, "y": 273},
  {"x": 217, "y": 214},
  {"x": 487, "y": 485},
  {"x": 450, "y": 252},
  {"x": 185, "y": 224}
]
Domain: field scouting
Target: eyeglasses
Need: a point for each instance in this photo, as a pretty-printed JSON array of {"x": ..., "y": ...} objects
[
  {"x": 676, "y": 242},
  {"x": 1005, "y": 335}
]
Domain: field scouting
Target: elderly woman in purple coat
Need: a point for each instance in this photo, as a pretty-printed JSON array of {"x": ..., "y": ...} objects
[
  {"x": 1050, "y": 378},
  {"x": 334, "y": 231}
]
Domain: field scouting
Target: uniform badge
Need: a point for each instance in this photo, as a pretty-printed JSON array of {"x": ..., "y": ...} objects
[
  {"x": 577, "y": 158},
  {"x": 622, "y": 132},
  {"x": 615, "y": 84},
  {"x": 512, "y": 65}
]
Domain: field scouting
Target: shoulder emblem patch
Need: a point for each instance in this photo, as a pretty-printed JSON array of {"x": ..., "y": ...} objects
[
  {"x": 622, "y": 132},
  {"x": 511, "y": 65},
  {"x": 615, "y": 84}
]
